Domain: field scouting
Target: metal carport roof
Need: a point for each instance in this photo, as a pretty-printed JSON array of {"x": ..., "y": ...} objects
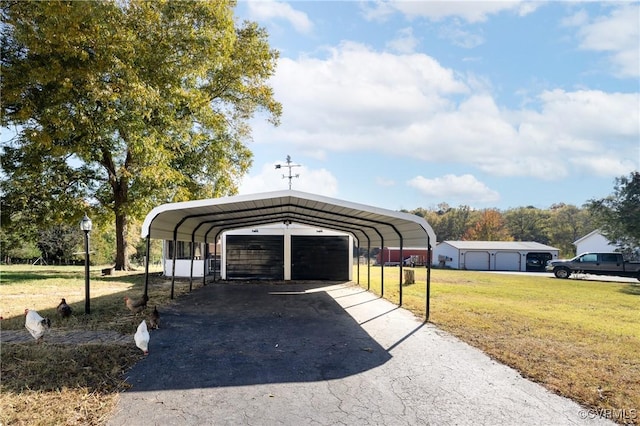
[{"x": 202, "y": 221}]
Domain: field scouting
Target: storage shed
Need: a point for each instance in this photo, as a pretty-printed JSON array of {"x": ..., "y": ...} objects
[
  {"x": 409, "y": 256},
  {"x": 494, "y": 255}
]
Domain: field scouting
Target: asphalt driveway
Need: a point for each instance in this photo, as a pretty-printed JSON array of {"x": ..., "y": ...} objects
[{"x": 322, "y": 354}]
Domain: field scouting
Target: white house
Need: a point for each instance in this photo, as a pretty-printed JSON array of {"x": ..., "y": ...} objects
[
  {"x": 494, "y": 255},
  {"x": 594, "y": 241}
]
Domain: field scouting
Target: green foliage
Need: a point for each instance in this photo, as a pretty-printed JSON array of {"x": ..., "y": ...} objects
[
  {"x": 22, "y": 251},
  {"x": 449, "y": 223},
  {"x": 489, "y": 227},
  {"x": 59, "y": 243},
  {"x": 559, "y": 226},
  {"x": 528, "y": 224},
  {"x": 155, "y": 256},
  {"x": 618, "y": 215},
  {"x": 127, "y": 104}
]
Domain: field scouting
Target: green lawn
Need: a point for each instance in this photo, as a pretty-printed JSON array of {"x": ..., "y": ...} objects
[
  {"x": 55, "y": 384},
  {"x": 579, "y": 338}
]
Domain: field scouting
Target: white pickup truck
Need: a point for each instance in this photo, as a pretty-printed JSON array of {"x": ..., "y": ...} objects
[{"x": 612, "y": 264}]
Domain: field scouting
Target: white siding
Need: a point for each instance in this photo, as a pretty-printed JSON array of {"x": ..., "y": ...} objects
[
  {"x": 183, "y": 268},
  {"x": 448, "y": 254},
  {"x": 595, "y": 242}
]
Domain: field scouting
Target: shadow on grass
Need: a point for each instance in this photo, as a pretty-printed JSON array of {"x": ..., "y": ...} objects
[
  {"x": 45, "y": 274},
  {"x": 49, "y": 367},
  {"x": 632, "y": 289},
  {"x": 136, "y": 277},
  {"x": 107, "y": 312}
]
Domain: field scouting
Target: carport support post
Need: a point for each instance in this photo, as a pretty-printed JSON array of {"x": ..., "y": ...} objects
[
  {"x": 382, "y": 272},
  {"x": 146, "y": 266},
  {"x": 193, "y": 254},
  {"x": 358, "y": 263},
  {"x": 173, "y": 267},
  {"x": 205, "y": 257},
  {"x": 401, "y": 265},
  {"x": 368, "y": 265},
  {"x": 428, "y": 292},
  {"x": 215, "y": 259}
]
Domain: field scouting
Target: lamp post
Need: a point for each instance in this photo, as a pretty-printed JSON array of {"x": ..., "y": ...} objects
[{"x": 85, "y": 225}]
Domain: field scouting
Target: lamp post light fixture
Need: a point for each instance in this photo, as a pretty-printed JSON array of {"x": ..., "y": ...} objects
[{"x": 85, "y": 226}]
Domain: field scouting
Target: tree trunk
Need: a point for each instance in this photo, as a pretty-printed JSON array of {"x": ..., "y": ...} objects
[
  {"x": 122, "y": 255},
  {"x": 122, "y": 221}
]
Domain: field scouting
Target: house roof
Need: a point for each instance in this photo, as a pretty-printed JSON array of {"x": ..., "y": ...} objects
[
  {"x": 589, "y": 235},
  {"x": 499, "y": 245},
  {"x": 204, "y": 220}
]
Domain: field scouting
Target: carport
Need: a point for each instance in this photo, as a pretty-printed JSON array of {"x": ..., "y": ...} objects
[{"x": 203, "y": 221}]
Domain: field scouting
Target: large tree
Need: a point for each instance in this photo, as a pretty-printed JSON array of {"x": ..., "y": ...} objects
[
  {"x": 618, "y": 215},
  {"x": 527, "y": 224},
  {"x": 449, "y": 223},
  {"x": 135, "y": 103},
  {"x": 566, "y": 224},
  {"x": 489, "y": 227}
]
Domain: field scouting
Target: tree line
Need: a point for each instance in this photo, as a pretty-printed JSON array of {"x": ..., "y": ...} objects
[
  {"x": 617, "y": 216},
  {"x": 558, "y": 226},
  {"x": 120, "y": 106}
]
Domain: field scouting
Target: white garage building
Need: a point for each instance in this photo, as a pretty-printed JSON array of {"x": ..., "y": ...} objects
[{"x": 494, "y": 255}]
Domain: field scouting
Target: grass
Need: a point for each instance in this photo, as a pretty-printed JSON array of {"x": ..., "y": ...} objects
[
  {"x": 56, "y": 384},
  {"x": 578, "y": 338}
]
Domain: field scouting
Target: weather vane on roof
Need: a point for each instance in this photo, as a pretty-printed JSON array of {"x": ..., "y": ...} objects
[{"x": 290, "y": 165}]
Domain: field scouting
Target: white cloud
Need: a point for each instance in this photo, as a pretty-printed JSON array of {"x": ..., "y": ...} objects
[
  {"x": 385, "y": 183},
  {"x": 454, "y": 188},
  {"x": 268, "y": 178},
  {"x": 356, "y": 87},
  {"x": 578, "y": 19},
  {"x": 605, "y": 165},
  {"x": 359, "y": 100},
  {"x": 405, "y": 42},
  {"x": 460, "y": 37},
  {"x": 266, "y": 10},
  {"x": 617, "y": 34},
  {"x": 470, "y": 11}
]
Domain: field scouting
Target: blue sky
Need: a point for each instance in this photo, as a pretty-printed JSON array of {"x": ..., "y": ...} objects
[{"x": 402, "y": 104}]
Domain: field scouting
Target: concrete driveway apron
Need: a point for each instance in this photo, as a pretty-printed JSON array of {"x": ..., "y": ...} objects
[{"x": 322, "y": 354}]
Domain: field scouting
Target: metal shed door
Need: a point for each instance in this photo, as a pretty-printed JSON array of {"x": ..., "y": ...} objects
[
  {"x": 319, "y": 258},
  {"x": 507, "y": 261},
  {"x": 255, "y": 257},
  {"x": 476, "y": 260}
]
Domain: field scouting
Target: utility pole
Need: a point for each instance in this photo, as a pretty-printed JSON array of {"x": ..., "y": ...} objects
[{"x": 290, "y": 165}]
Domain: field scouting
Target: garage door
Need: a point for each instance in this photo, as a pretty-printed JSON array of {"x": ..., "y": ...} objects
[
  {"x": 476, "y": 260},
  {"x": 255, "y": 257},
  {"x": 320, "y": 258},
  {"x": 507, "y": 261},
  {"x": 536, "y": 262}
]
